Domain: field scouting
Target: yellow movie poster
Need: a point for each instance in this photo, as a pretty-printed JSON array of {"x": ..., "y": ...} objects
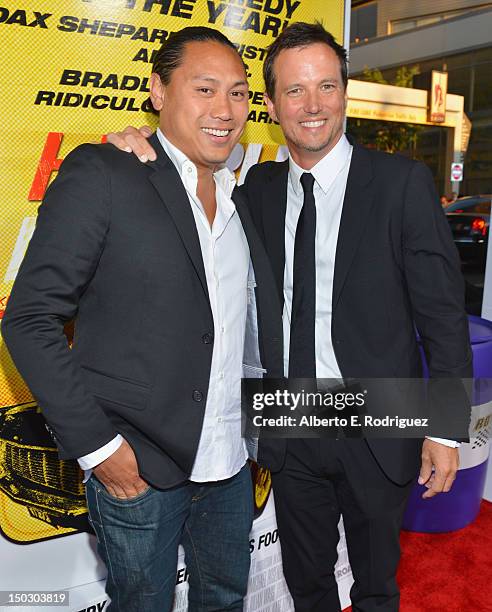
[{"x": 72, "y": 71}]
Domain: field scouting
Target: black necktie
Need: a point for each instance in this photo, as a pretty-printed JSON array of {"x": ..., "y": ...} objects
[{"x": 302, "y": 358}]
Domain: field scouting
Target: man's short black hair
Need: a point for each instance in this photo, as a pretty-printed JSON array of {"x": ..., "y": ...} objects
[
  {"x": 170, "y": 55},
  {"x": 301, "y": 34}
]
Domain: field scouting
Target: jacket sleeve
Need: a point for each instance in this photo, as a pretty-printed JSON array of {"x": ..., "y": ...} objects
[
  {"x": 434, "y": 279},
  {"x": 60, "y": 261}
]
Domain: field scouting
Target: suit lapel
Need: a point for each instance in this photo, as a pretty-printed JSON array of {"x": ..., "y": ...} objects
[
  {"x": 248, "y": 226},
  {"x": 259, "y": 258},
  {"x": 268, "y": 307},
  {"x": 357, "y": 204},
  {"x": 169, "y": 186},
  {"x": 274, "y": 206}
]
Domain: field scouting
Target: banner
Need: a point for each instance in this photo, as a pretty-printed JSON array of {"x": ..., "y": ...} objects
[
  {"x": 437, "y": 96},
  {"x": 71, "y": 72}
]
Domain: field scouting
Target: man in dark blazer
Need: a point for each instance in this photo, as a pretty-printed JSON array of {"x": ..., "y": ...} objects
[
  {"x": 376, "y": 261},
  {"x": 382, "y": 264},
  {"x": 164, "y": 274}
]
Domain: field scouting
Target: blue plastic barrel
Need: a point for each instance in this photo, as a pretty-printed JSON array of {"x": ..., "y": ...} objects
[{"x": 458, "y": 508}]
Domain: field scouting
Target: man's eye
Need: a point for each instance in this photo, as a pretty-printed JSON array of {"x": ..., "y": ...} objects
[
  {"x": 205, "y": 90},
  {"x": 294, "y": 92},
  {"x": 328, "y": 86},
  {"x": 238, "y": 94}
]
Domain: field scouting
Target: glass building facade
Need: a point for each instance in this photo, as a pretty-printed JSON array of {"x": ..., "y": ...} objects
[{"x": 469, "y": 75}]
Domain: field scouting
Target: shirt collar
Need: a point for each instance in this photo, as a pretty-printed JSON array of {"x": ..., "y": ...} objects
[
  {"x": 326, "y": 170},
  {"x": 223, "y": 176}
]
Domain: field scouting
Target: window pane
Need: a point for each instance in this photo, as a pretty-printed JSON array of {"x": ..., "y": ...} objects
[
  {"x": 482, "y": 98},
  {"x": 400, "y": 26},
  {"x": 483, "y": 207},
  {"x": 364, "y": 22}
]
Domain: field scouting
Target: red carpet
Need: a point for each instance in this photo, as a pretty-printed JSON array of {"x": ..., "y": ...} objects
[{"x": 449, "y": 572}]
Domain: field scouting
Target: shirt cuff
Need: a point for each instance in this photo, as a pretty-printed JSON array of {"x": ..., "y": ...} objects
[
  {"x": 445, "y": 441},
  {"x": 89, "y": 461}
]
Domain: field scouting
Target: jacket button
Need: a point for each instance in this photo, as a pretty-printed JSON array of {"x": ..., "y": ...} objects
[
  {"x": 197, "y": 396},
  {"x": 207, "y": 338}
]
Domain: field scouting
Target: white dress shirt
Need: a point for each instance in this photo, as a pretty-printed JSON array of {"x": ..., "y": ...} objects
[
  {"x": 221, "y": 450},
  {"x": 330, "y": 175}
]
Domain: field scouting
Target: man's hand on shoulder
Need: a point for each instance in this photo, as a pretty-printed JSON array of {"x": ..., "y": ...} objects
[
  {"x": 445, "y": 461},
  {"x": 119, "y": 473},
  {"x": 134, "y": 141}
]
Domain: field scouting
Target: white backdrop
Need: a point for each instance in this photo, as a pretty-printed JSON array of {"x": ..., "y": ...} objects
[{"x": 71, "y": 563}]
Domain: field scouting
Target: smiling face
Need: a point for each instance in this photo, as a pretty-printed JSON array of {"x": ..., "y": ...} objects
[
  {"x": 309, "y": 101},
  {"x": 203, "y": 108}
]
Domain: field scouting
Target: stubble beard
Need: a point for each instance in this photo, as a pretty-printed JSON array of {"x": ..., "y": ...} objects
[{"x": 327, "y": 143}]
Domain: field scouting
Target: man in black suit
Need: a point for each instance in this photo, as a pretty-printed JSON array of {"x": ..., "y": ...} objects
[
  {"x": 374, "y": 259},
  {"x": 362, "y": 254},
  {"x": 161, "y": 270}
]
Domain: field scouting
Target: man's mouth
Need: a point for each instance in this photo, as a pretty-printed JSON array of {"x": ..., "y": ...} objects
[
  {"x": 216, "y": 132},
  {"x": 313, "y": 124}
]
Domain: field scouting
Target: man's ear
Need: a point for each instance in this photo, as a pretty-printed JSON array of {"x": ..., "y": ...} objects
[
  {"x": 270, "y": 107},
  {"x": 157, "y": 91}
]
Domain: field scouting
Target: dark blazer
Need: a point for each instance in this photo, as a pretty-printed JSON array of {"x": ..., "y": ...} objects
[
  {"x": 116, "y": 248},
  {"x": 396, "y": 268}
]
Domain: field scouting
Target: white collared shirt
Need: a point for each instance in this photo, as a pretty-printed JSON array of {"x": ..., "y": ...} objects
[
  {"x": 221, "y": 450},
  {"x": 330, "y": 175}
]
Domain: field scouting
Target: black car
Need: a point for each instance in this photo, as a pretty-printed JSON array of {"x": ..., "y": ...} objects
[{"x": 469, "y": 219}]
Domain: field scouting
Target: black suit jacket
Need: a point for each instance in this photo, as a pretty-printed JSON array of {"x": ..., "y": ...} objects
[
  {"x": 116, "y": 248},
  {"x": 396, "y": 268}
]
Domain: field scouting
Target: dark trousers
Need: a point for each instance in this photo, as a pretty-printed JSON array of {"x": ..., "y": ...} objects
[
  {"x": 321, "y": 481},
  {"x": 138, "y": 541}
]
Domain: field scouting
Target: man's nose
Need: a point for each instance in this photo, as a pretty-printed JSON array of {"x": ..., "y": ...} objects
[
  {"x": 222, "y": 107},
  {"x": 312, "y": 103}
]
